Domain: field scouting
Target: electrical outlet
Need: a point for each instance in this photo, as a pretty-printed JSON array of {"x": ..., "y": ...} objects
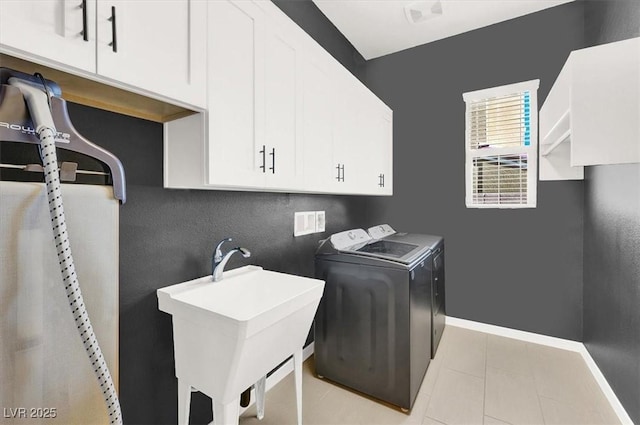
[
  {"x": 320, "y": 221},
  {"x": 304, "y": 223}
]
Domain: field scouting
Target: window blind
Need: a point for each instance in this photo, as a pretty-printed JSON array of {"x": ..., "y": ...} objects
[{"x": 501, "y": 144}]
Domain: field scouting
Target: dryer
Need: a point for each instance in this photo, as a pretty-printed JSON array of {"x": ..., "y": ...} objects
[{"x": 436, "y": 245}]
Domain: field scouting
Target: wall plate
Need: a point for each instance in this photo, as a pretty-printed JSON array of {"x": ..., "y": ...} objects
[
  {"x": 304, "y": 223},
  {"x": 320, "y": 221}
]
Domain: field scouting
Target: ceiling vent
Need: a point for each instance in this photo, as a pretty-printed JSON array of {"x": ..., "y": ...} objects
[{"x": 421, "y": 11}]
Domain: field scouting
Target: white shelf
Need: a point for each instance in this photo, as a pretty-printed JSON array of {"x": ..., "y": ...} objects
[
  {"x": 559, "y": 133},
  {"x": 563, "y": 138},
  {"x": 591, "y": 114}
]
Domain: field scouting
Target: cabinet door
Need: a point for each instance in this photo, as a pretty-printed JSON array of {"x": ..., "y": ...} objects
[
  {"x": 367, "y": 147},
  {"x": 282, "y": 109},
  {"x": 348, "y": 138},
  {"x": 320, "y": 169},
  {"x": 157, "y": 46},
  {"x": 605, "y": 106},
  {"x": 236, "y": 147},
  {"x": 52, "y": 30},
  {"x": 367, "y": 143},
  {"x": 387, "y": 154},
  {"x": 381, "y": 147}
]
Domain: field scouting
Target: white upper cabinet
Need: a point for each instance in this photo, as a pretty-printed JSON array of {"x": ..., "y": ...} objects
[
  {"x": 379, "y": 170},
  {"x": 282, "y": 107},
  {"x": 60, "y": 31},
  {"x": 347, "y": 132},
  {"x": 350, "y": 142},
  {"x": 157, "y": 46},
  {"x": 321, "y": 169},
  {"x": 362, "y": 139},
  {"x": 254, "y": 102},
  {"x": 277, "y": 112},
  {"x": 235, "y": 140},
  {"x": 283, "y": 114}
]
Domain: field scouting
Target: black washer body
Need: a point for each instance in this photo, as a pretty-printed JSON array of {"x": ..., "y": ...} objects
[
  {"x": 374, "y": 324},
  {"x": 438, "y": 311}
]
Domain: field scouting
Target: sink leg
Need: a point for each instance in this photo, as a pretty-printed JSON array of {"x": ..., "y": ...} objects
[
  {"x": 297, "y": 371},
  {"x": 260, "y": 388},
  {"x": 226, "y": 413},
  {"x": 184, "y": 402}
]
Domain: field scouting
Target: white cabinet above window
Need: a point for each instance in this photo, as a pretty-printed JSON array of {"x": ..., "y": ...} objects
[{"x": 591, "y": 115}]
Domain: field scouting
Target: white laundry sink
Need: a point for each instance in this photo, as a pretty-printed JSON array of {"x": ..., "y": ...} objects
[{"x": 231, "y": 333}]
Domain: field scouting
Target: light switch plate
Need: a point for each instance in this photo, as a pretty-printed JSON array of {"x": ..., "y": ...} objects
[
  {"x": 320, "y": 221},
  {"x": 304, "y": 223}
]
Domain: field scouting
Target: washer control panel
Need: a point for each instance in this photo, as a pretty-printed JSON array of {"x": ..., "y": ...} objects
[
  {"x": 380, "y": 231},
  {"x": 344, "y": 240}
]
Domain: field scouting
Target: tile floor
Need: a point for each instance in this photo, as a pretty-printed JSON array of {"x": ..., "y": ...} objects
[{"x": 476, "y": 378}]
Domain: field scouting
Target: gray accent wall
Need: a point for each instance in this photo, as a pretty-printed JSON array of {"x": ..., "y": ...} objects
[
  {"x": 516, "y": 268},
  {"x": 306, "y": 14},
  {"x": 612, "y": 238}
]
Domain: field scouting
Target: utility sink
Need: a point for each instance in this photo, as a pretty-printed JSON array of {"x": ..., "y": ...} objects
[{"x": 229, "y": 334}]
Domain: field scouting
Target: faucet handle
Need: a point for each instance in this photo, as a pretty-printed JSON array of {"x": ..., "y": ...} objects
[{"x": 218, "y": 252}]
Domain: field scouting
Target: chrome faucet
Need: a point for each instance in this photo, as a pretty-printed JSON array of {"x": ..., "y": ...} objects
[{"x": 219, "y": 261}]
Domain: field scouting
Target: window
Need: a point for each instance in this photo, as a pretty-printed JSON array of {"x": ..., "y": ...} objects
[{"x": 501, "y": 146}]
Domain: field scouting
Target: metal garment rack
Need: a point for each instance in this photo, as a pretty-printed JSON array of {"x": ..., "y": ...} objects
[{"x": 16, "y": 126}]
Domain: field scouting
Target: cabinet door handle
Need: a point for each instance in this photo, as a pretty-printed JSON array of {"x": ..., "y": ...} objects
[
  {"x": 342, "y": 172},
  {"x": 383, "y": 180},
  {"x": 380, "y": 180},
  {"x": 263, "y": 159},
  {"x": 114, "y": 35},
  {"x": 273, "y": 161},
  {"x": 338, "y": 168},
  {"x": 85, "y": 32}
]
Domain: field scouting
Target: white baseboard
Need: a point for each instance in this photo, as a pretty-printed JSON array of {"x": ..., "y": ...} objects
[
  {"x": 565, "y": 344},
  {"x": 606, "y": 388},
  {"x": 561, "y": 343}
]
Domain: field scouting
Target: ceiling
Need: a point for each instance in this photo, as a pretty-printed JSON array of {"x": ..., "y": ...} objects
[{"x": 379, "y": 27}]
